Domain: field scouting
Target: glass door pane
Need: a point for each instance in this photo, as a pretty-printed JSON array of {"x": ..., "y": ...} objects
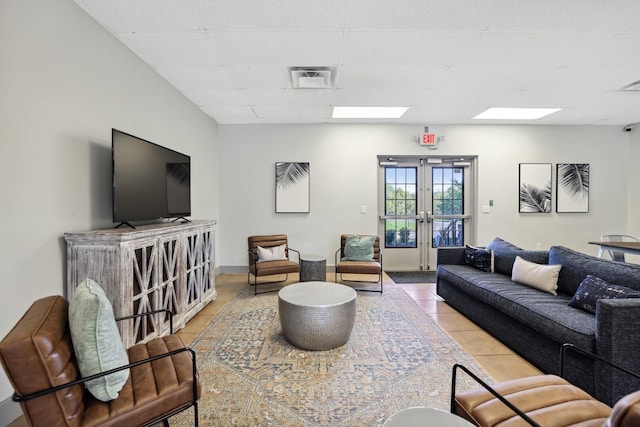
[
  {"x": 448, "y": 206},
  {"x": 400, "y": 202}
]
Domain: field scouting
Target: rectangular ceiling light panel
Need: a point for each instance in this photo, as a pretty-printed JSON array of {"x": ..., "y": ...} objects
[
  {"x": 499, "y": 113},
  {"x": 368, "y": 112}
]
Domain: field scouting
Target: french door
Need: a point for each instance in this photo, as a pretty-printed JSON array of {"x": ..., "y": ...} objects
[{"x": 423, "y": 203}]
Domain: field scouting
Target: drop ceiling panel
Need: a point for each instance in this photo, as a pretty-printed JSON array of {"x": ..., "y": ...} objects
[
  {"x": 270, "y": 15},
  {"x": 382, "y": 97},
  {"x": 230, "y": 114},
  {"x": 291, "y": 97},
  {"x": 172, "y": 48},
  {"x": 192, "y": 79},
  {"x": 406, "y": 47},
  {"x": 448, "y": 60},
  {"x": 302, "y": 114},
  {"x": 228, "y": 97},
  {"x": 258, "y": 77},
  {"x": 141, "y": 15},
  {"x": 460, "y": 15},
  {"x": 381, "y": 77},
  {"x": 286, "y": 48}
]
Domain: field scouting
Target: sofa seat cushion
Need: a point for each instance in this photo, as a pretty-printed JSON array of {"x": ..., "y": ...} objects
[
  {"x": 358, "y": 267},
  {"x": 547, "y": 399},
  {"x": 546, "y": 313},
  {"x": 269, "y": 268},
  {"x": 151, "y": 387}
]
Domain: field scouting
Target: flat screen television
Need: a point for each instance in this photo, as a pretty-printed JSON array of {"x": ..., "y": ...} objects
[{"x": 149, "y": 181}]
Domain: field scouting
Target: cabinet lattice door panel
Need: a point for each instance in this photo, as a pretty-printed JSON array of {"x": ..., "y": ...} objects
[{"x": 152, "y": 267}]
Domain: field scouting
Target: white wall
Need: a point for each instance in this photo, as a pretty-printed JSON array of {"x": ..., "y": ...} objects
[
  {"x": 343, "y": 177},
  {"x": 633, "y": 195},
  {"x": 64, "y": 83}
]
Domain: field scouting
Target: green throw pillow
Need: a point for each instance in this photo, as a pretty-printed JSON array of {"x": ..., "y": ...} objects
[
  {"x": 96, "y": 340},
  {"x": 359, "y": 248}
]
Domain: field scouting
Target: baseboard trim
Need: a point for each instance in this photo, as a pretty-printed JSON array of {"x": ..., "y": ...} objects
[{"x": 9, "y": 411}]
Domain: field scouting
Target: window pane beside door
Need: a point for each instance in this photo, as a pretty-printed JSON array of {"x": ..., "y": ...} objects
[
  {"x": 400, "y": 201},
  {"x": 447, "y": 199}
]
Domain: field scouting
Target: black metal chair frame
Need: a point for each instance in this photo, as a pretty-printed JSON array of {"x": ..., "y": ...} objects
[
  {"x": 563, "y": 357},
  {"x": 337, "y": 260},
  {"x": 255, "y": 278},
  {"x": 164, "y": 419}
]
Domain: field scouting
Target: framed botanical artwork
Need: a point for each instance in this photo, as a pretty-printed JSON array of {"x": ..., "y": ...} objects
[
  {"x": 535, "y": 187},
  {"x": 292, "y": 187},
  {"x": 572, "y": 187}
]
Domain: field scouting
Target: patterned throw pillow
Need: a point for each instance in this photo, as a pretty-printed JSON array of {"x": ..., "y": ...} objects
[
  {"x": 480, "y": 258},
  {"x": 359, "y": 248},
  {"x": 594, "y": 288}
]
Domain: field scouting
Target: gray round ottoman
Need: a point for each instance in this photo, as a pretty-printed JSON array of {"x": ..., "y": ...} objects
[{"x": 317, "y": 315}]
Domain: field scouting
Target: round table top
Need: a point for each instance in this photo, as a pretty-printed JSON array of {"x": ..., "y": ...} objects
[
  {"x": 421, "y": 416},
  {"x": 320, "y": 294},
  {"x": 312, "y": 258}
]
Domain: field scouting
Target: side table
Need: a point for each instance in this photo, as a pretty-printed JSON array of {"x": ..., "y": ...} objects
[
  {"x": 313, "y": 268},
  {"x": 421, "y": 416}
]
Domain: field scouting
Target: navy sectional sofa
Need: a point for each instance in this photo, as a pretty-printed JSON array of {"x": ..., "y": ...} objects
[{"x": 535, "y": 324}]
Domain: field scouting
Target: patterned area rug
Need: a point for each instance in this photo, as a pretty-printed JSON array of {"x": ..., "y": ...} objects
[{"x": 396, "y": 357}]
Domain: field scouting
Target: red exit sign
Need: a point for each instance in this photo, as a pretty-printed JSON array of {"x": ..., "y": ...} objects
[{"x": 428, "y": 139}]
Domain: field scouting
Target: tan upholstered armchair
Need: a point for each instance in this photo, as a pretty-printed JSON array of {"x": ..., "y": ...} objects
[
  {"x": 363, "y": 263},
  {"x": 542, "y": 400},
  {"x": 38, "y": 357},
  {"x": 269, "y": 256}
]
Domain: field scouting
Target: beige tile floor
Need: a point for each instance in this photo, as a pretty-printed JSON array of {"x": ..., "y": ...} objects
[{"x": 496, "y": 358}]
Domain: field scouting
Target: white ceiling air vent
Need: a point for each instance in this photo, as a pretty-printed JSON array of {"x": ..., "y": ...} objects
[
  {"x": 312, "y": 77},
  {"x": 632, "y": 87}
]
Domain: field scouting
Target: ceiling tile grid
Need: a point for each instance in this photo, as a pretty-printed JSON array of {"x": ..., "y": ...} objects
[{"x": 446, "y": 60}]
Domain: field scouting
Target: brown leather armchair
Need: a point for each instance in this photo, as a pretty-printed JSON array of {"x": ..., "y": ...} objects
[
  {"x": 542, "y": 400},
  {"x": 373, "y": 267},
  {"x": 38, "y": 358},
  {"x": 259, "y": 268}
]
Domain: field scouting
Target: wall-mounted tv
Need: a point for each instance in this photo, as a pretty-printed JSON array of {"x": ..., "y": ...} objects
[{"x": 149, "y": 181}]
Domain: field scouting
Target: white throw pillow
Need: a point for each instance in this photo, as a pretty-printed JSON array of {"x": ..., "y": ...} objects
[
  {"x": 543, "y": 277},
  {"x": 96, "y": 340},
  {"x": 274, "y": 253}
]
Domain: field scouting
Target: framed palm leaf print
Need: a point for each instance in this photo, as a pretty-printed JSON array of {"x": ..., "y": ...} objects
[
  {"x": 292, "y": 187},
  {"x": 535, "y": 187},
  {"x": 572, "y": 187}
]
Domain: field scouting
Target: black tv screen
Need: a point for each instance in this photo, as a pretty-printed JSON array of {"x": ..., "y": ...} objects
[{"x": 149, "y": 181}]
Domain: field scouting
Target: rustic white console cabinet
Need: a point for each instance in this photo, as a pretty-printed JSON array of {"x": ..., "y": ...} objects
[{"x": 160, "y": 266}]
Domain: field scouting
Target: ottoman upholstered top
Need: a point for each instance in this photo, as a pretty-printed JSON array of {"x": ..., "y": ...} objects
[{"x": 317, "y": 315}]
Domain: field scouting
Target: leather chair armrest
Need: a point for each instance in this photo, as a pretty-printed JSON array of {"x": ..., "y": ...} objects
[
  {"x": 293, "y": 250},
  {"x": 17, "y": 398}
]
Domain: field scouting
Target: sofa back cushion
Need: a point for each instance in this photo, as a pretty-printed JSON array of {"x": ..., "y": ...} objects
[
  {"x": 505, "y": 253},
  {"x": 38, "y": 354},
  {"x": 576, "y": 266}
]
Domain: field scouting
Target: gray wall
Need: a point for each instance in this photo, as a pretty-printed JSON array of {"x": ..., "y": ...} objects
[
  {"x": 343, "y": 160},
  {"x": 64, "y": 83}
]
